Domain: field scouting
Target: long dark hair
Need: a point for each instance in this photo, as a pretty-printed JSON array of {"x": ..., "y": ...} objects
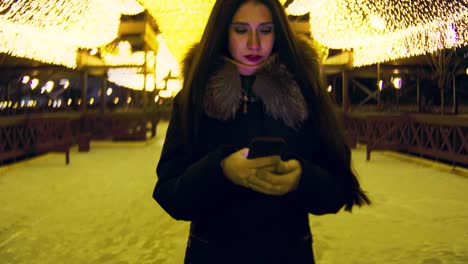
[{"x": 306, "y": 71}]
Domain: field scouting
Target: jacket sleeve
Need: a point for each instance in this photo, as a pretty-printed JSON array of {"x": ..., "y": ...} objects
[
  {"x": 185, "y": 188},
  {"x": 322, "y": 188}
]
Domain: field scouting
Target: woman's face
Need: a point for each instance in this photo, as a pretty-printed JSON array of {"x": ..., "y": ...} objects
[{"x": 251, "y": 36}]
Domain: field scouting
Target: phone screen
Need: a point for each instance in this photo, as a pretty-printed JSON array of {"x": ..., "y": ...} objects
[{"x": 266, "y": 146}]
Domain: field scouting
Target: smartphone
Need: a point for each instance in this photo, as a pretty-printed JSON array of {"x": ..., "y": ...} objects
[{"x": 266, "y": 146}]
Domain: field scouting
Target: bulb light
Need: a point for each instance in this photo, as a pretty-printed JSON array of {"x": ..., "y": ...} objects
[
  {"x": 34, "y": 83},
  {"x": 25, "y": 79},
  {"x": 52, "y": 31},
  {"x": 65, "y": 83},
  {"x": 379, "y": 31},
  {"x": 397, "y": 82},
  {"x": 49, "y": 86}
]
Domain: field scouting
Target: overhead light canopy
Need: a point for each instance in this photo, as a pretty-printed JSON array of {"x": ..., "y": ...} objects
[
  {"x": 180, "y": 21},
  {"x": 383, "y": 30},
  {"x": 52, "y": 32},
  {"x": 376, "y": 31}
]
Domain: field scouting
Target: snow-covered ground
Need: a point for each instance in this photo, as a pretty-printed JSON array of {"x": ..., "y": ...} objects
[{"x": 99, "y": 209}]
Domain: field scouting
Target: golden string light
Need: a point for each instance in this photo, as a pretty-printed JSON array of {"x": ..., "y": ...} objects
[
  {"x": 131, "y": 77},
  {"x": 131, "y": 7},
  {"x": 52, "y": 31},
  {"x": 180, "y": 21},
  {"x": 379, "y": 31}
]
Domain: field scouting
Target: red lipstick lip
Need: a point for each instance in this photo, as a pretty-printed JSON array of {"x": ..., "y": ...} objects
[{"x": 253, "y": 58}]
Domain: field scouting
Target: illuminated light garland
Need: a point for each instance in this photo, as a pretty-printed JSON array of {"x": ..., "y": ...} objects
[
  {"x": 130, "y": 58},
  {"x": 181, "y": 21},
  {"x": 131, "y": 7},
  {"x": 36, "y": 45},
  {"x": 379, "y": 31},
  {"x": 51, "y": 31},
  {"x": 165, "y": 63},
  {"x": 131, "y": 78}
]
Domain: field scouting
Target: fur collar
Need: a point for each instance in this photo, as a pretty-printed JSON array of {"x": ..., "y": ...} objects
[{"x": 274, "y": 86}]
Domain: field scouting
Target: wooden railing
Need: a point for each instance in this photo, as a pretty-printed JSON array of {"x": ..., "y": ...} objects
[
  {"x": 30, "y": 135},
  {"x": 437, "y": 137},
  {"x": 120, "y": 126}
]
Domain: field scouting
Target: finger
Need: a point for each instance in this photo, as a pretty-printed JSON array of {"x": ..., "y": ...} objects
[
  {"x": 244, "y": 152},
  {"x": 263, "y": 161},
  {"x": 264, "y": 186},
  {"x": 262, "y": 189},
  {"x": 272, "y": 177},
  {"x": 288, "y": 166}
]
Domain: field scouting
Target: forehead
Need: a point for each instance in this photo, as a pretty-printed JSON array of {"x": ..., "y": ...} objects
[{"x": 252, "y": 12}]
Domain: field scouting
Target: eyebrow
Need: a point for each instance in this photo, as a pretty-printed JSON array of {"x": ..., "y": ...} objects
[{"x": 247, "y": 24}]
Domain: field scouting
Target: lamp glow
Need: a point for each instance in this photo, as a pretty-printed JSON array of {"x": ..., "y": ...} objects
[
  {"x": 397, "y": 82},
  {"x": 34, "y": 83}
]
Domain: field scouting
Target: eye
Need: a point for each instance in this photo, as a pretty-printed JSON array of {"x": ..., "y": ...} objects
[
  {"x": 265, "y": 30},
  {"x": 240, "y": 29}
]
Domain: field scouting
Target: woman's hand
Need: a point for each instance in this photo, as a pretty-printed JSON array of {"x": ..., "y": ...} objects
[
  {"x": 268, "y": 175},
  {"x": 279, "y": 180},
  {"x": 239, "y": 169}
]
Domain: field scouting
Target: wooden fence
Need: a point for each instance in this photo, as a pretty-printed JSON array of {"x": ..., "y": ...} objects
[
  {"x": 30, "y": 135},
  {"x": 442, "y": 138}
]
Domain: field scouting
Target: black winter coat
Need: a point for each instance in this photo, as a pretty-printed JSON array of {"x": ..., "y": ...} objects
[{"x": 232, "y": 224}]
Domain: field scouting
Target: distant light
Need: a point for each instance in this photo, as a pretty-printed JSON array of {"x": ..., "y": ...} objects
[
  {"x": 79, "y": 102},
  {"x": 69, "y": 102},
  {"x": 466, "y": 71},
  {"x": 377, "y": 22},
  {"x": 25, "y": 79},
  {"x": 174, "y": 85},
  {"x": 109, "y": 91},
  {"x": 380, "y": 84},
  {"x": 159, "y": 37},
  {"x": 91, "y": 101},
  {"x": 329, "y": 88},
  {"x": 129, "y": 100},
  {"x": 116, "y": 100},
  {"x": 93, "y": 51},
  {"x": 124, "y": 47},
  {"x": 156, "y": 98},
  {"x": 49, "y": 86},
  {"x": 65, "y": 83},
  {"x": 165, "y": 93},
  {"x": 49, "y": 103},
  {"x": 397, "y": 82},
  {"x": 34, "y": 83}
]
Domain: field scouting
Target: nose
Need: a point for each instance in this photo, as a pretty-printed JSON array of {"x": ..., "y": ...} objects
[{"x": 253, "y": 42}]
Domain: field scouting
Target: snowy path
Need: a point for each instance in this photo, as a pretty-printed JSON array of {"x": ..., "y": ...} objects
[{"x": 99, "y": 210}]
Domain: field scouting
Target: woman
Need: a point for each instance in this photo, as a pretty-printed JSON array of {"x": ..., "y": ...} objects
[{"x": 252, "y": 77}]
